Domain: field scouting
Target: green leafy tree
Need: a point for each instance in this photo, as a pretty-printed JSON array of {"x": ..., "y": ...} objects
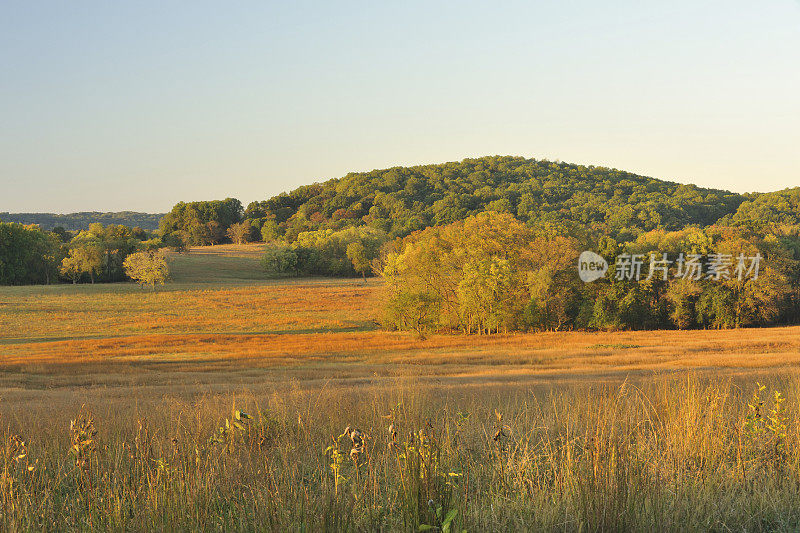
[
  {"x": 683, "y": 295},
  {"x": 216, "y": 232},
  {"x": 357, "y": 254},
  {"x": 62, "y": 234},
  {"x": 269, "y": 231},
  {"x": 177, "y": 241},
  {"x": 28, "y": 254},
  {"x": 198, "y": 234}
]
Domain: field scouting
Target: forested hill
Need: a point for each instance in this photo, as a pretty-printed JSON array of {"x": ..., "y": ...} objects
[
  {"x": 403, "y": 199},
  {"x": 81, "y": 221}
]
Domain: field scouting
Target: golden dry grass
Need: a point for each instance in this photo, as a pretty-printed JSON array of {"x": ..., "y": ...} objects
[
  {"x": 207, "y": 320},
  {"x": 774, "y": 347},
  {"x": 67, "y": 312}
]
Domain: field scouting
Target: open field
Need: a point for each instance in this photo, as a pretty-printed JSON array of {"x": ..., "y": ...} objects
[
  {"x": 599, "y": 431},
  {"x": 220, "y": 320}
]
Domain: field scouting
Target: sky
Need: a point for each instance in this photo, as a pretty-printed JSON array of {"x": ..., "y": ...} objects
[{"x": 110, "y": 106}]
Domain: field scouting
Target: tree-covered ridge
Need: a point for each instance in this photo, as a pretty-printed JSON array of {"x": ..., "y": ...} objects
[
  {"x": 82, "y": 221},
  {"x": 401, "y": 200}
]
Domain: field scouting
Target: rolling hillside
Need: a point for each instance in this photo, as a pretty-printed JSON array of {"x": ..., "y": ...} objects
[{"x": 404, "y": 199}]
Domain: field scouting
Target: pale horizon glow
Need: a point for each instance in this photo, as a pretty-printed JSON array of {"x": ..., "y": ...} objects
[{"x": 135, "y": 107}]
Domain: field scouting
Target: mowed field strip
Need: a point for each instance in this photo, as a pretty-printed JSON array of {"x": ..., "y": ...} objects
[{"x": 220, "y": 316}]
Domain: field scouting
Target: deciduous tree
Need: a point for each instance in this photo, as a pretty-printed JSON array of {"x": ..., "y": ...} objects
[
  {"x": 147, "y": 268},
  {"x": 239, "y": 233},
  {"x": 357, "y": 254},
  {"x": 86, "y": 259}
]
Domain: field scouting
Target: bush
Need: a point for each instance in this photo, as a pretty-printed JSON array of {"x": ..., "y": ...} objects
[
  {"x": 178, "y": 241},
  {"x": 279, "y": 261}
]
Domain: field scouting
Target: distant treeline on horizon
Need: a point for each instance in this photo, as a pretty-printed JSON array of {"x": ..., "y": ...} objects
[{"x": 81, "y": 221}]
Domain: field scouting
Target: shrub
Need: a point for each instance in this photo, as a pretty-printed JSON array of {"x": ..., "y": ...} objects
[{"x": 279, "y": 260}]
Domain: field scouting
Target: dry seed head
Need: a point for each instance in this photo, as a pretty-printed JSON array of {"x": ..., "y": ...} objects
[{"x": 503, "y": 432}]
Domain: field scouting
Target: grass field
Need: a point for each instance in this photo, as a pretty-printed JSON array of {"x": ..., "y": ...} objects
[{"x": 567, "y": 430}]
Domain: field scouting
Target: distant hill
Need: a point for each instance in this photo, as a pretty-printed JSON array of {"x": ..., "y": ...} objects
[
  {"x": 404, "y": 199},
  {"x": 81, "y": 221},
  {"x": 401, "y": 200}
]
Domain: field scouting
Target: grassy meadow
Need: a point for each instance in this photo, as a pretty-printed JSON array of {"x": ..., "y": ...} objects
[{"x": 226, "y": 401}]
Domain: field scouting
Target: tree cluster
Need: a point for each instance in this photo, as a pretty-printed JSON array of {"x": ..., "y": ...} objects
[
  {"x": 346, "y": 252},
  {"x": 201, "y": 223},
  {"x": 479, "y": 275},
  {"x": 574, "y": 200},
  {"x": 99, "y": 253},
  {"x": 493, "y": 273},
  {"x": 767, "y": 211},
  {"x": 28, "y": 255}
]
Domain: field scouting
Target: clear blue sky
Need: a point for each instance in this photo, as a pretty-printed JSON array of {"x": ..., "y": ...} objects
[{"x": 137, "y": 105}]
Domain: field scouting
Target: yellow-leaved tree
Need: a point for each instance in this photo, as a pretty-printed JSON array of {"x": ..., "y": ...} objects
[
  {"x": 147, "y": 268},
  {"x": 87, "y": 259}
]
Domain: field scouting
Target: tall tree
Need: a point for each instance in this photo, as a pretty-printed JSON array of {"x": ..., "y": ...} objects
[{"x": 357, "y": 254}]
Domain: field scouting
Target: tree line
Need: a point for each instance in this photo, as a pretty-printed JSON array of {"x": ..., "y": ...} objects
[
  {"x": 492, "y": 273},
  {"x": 81, "y": 221}
]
